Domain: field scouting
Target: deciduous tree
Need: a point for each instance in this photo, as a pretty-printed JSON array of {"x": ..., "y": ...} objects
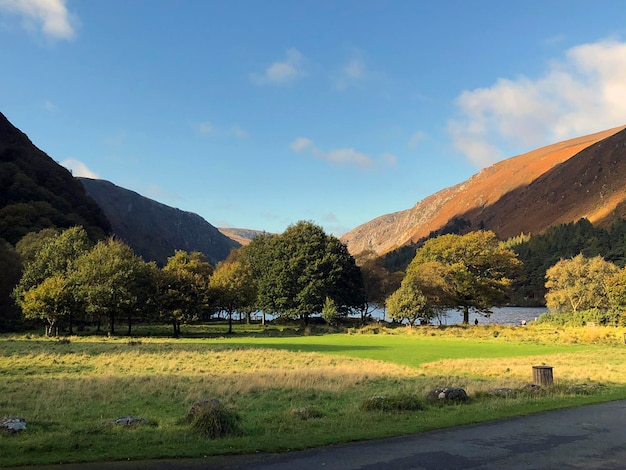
[
  {"x": 579, "y": 283},
  {"x": 473, "y": 271}
]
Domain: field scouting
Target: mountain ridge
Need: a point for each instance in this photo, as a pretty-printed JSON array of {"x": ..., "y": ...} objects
[
  {"x": 469, "y": 200},
  {"x": 155, "y": 231}
]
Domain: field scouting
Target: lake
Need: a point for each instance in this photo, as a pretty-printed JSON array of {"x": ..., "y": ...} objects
[{"x": 500, "y": 316}]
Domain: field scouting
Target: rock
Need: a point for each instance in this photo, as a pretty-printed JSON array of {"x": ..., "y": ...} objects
[
  {"x": 448, "y": 393},
  {"x": 130, "y": 421},
  {"x": 502, "y": 392},
  {"x": 13, "y": 424}
]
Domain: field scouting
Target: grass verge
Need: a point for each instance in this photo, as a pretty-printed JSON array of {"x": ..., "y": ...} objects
[{"x": 288, "y": 392}]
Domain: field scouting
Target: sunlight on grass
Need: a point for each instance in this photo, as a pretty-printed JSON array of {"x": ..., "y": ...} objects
[{"x": 71, "y": 391}]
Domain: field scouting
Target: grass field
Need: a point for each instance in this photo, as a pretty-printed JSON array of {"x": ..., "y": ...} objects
[{"x": 70, "y": 392}]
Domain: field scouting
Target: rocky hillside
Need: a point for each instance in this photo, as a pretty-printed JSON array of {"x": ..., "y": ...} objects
[
  {"x": 563, "y": 182},
  {"x": 155, "y": 230},
  {"x": 36, "y": 192},
  {"x": 242, "y": 236}
]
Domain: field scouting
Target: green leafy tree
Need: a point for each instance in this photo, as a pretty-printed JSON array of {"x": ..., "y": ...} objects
[
  {"x": 476, "y": 270},
  {"x": 300, "y": 268},
  {"x": 112, "y": 282},
  {"x": 55, "y": 258},
  {"x": 408, "y": 303},
  {"x": 184, "y": 288},
  {"x": 233, "y": 289},
  {"x": 52, "y": 300},
  {"x": 579, "y": 283}
]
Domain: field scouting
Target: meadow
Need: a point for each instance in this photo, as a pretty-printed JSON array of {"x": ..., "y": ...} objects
[{"x": 70, "y": 391}]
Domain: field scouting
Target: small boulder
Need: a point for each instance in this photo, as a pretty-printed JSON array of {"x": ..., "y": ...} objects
[
  {"x": 502, "y": 392},
  {"x": 13, "y": 424},
  {"x": 448, "y": 394},
  {"x": 130, "y": 421}
]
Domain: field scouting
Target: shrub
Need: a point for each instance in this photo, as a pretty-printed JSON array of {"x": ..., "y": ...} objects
[
  {"x": 392, "y": 403},
  {"x": 213, "y": 420}
]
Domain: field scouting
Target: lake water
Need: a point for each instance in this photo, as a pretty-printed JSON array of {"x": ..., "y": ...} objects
[{"x": 500, "y": 316}]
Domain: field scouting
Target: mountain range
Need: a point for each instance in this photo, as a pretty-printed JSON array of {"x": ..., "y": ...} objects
[
  {"x": 155, "y": 231},
  {"x": 579, "y": 178}
]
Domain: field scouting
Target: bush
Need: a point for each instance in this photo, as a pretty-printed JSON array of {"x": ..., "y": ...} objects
[
  {"x": 213, "y": 420},
  {"x": 585, "y": 317},
  {"x": 392, "y": 403}
]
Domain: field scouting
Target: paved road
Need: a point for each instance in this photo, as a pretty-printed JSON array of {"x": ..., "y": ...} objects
[{"x": 590, "y": 437}]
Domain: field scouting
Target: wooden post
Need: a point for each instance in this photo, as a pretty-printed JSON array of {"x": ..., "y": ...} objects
[{"x": 542, "y": 375}]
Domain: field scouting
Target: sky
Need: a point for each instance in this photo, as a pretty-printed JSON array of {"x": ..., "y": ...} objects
[{"x": 258, "y": 114}]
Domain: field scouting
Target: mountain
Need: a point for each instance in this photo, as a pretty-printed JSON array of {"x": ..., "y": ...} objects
[
  {"x": 37, "y": 193},
  {"x": 155, "y": 230},
  {"x": 242, "y": 236},
  {"x": 560, "y": 183}
]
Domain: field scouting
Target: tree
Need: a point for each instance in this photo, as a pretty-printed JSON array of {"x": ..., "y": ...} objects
[
  {"x": 476, "y": 270},
  {"x": 378, "y": 282},
  {"x": 233, "y": 289},
  {"x": 112, "y": 281},
  {"x": 297, "y": 270},
  {"x": 184, "y": 287},
  {"x": 579, "y": 283},
  {"x": 55, "y": 258},
  {"x": 408, "y": 303},
  {"x": 11, "y": 269},
  {"x": 51, "y": 300}
]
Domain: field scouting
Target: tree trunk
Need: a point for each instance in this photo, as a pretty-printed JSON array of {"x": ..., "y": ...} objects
[
  {"x": 263, "y": 319},
  {"x": 230, "y": 322},
  {"x": 465, "y": 315},
  {"x": 112, "y": 323},
  {"x": 129, "y": 325},
  {"x": 70, "y": 319}
]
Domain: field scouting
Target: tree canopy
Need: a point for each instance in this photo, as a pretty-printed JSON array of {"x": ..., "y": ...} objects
[{"x": 466, "y": 272}]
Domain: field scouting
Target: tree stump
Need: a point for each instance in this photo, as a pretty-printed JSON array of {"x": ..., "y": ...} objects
[{"x": 542, "y": 375}]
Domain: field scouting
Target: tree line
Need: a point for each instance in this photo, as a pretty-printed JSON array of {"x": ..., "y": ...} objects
[{"x": 67, "y": 280}]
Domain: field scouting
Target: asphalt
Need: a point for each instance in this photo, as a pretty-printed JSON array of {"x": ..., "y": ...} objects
[{"x": 589, "y": 437}]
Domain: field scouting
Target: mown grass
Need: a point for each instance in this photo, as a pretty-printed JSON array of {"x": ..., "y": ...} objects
[{"x": 71, "y": 392}]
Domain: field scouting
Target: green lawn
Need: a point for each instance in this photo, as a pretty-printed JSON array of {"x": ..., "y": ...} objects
[{"x": 70, "y": 392}]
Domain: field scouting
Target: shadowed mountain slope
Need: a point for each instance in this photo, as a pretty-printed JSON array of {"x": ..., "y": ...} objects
[
  {"x": 155, "y": 231},
  {"x": 526, "y": 193},
  {"x": 36, "y": 192}
]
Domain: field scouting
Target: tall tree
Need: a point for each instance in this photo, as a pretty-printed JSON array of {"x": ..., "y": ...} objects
[
  {"x": 52, "y": 300},
  {"x": 300, "y": 268},
  {"x": 378, "y": 282},
  {"x": 184, "y": 287},
  {"x": 476, "y": 270},
  {"x": 579, "y": 283},
  {"x": 233, "y": 289},
  {"x": 112, "y": 282},
  {"x": 55, "y": 258}
]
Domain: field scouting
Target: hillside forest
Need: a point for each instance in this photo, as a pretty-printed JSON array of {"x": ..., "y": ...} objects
[{"x": 64, "y": 280}]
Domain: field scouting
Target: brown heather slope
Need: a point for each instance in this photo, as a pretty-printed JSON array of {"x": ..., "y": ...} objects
[{"x": 526, "y": 193}]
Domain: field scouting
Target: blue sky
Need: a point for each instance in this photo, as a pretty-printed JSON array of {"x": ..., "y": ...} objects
[{"x": 259, "y": 114}]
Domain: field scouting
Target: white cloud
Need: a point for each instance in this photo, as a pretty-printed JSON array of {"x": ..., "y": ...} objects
[
  {"x": 282, "y": 72},
  {"x": 205, "y": 128},
  {"x": 416, "y": 138},
  {"x": 582, "y": 93},
  {"x": 350, "y": 73},
  {"x": 345, "y": 157},
  {"x": 51, "y": 16},
  {"x": 79, "y": 169}
]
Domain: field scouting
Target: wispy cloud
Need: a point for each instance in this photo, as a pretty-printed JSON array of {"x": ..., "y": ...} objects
[
  {"x": 416, "y": 139},
  {"x": 208, "y": 129},
  {"x": 50, "y": 16},
  {"x": 79, "y": 169},
  {"x": 351, "y": 73},
  {"x": 284, "y": 71},
  {"x": 345, "y": 156},
  {"x": 581, "y": 93}
]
